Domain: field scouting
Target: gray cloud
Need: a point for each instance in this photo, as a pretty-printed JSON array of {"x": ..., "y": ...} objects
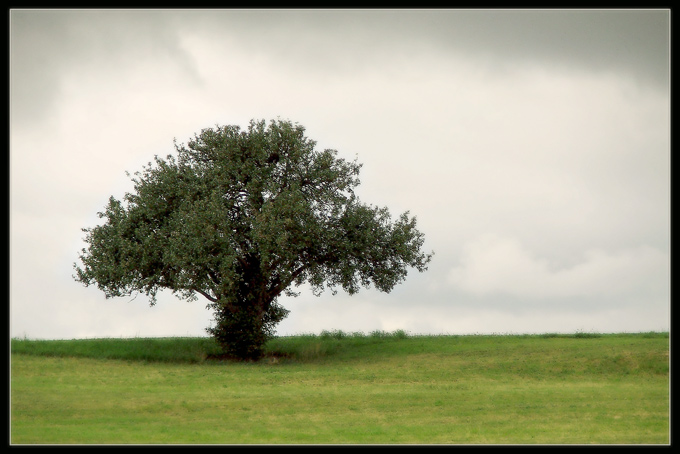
[
  {"x": 47, "y": 46},
  {"x": 44, "y": 44},
  {"x": 493, "y": 264},
  {"x": 635, "y": 42}
]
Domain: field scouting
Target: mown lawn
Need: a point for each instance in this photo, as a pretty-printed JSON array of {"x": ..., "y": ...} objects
[{"x": 346, "y": 389}]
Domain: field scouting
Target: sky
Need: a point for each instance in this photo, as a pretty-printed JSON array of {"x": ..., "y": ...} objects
[{"x": 533, "y": 146}]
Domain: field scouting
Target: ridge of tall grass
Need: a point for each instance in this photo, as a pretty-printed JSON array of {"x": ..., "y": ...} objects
[
  {"x": 192, "y": 349},
  {"x": 298, "y": 348},
  {"x": 162, "y": 349}
]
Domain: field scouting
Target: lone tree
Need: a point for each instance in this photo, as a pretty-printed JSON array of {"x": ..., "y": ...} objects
[{"x": 239, "y": 217}]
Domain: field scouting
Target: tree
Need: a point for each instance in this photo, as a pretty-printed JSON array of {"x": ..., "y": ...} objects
[{"x": 239, "y": 217}]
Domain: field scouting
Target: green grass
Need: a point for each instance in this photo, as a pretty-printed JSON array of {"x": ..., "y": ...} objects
[{"x": 345, "y": 388}]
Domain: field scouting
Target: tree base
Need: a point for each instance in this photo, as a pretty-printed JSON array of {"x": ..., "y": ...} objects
[{"x": 271, "y": 357}]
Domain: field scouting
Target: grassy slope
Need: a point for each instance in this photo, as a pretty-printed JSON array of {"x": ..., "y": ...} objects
[{"x": 339, "y": 388}]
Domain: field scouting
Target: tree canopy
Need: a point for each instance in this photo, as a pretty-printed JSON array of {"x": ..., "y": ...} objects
[{"x": 241, "y": 217}]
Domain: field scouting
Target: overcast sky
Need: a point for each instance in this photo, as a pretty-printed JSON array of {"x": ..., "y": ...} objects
[{"x": 533, "y": 147}]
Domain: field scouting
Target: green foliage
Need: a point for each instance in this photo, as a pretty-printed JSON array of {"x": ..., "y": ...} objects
[{"x": 240, "y": 217}]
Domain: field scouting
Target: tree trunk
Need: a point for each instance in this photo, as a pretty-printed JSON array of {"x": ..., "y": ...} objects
[
  {"x": 240, "y": 329},
  {"x": 245, "y": 320}
]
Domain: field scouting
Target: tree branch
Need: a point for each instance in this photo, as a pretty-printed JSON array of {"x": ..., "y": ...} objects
[
  {"x": 211, "y": 298},
  {"x": 213, "y": 277},
  {"x": 279, "y": 286}
]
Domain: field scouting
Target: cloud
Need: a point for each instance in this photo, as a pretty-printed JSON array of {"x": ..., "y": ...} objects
[
  {"x": 635, "y": 43},
  {"x": 493, "y": 264},
  {"x": 49, "y": 47}
]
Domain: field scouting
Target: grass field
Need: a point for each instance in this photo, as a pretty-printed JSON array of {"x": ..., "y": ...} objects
[{"x": 340, "y": 388}]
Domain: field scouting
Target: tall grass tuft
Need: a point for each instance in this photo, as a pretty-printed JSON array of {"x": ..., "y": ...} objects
[{"x": 311, "y": 347}]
